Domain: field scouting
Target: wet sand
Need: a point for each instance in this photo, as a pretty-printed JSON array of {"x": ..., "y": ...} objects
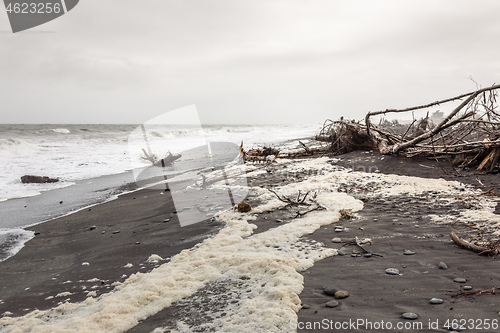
[
  {"x": 131, "y": 228},
  {"x": 394, "y": 225}
]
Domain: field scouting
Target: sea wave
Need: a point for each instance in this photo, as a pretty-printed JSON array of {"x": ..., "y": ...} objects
[
  {"x": 14, "y": 146},
  {"x": 54, "y": 130}
]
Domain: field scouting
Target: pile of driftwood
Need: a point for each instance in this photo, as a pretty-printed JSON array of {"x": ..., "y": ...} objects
[
  {"x": 269, "y": 154},
  {"x": 469, "y": 134},
  {"x": 265, "y": 154}
]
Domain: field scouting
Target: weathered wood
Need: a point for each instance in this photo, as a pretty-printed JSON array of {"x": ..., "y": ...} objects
[
  {"x": 486, "y": 160},
  {"x": 466, "y": 245},
  {"x": 26, "y": 179},
  {"x": 475, "y": 93}
]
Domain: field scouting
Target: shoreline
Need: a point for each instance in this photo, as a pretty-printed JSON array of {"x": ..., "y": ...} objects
[{"x": 69, "y": 242}]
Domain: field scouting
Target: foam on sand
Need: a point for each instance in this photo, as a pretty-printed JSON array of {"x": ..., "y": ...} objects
[
  {"x": 12, "y": 241},
  {"x": 261, "y": 271},
  {"x": 269, "y": 263}
]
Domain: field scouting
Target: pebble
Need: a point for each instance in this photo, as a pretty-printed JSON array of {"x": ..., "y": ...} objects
[
  {"x": 442, "y": 265},
  {"x": 406, "y": 213},
  {"x": 166, "y": 220},
  {"x": 341, "y": 294},
  {"x": 436, "y": 301},
  {"x": 103, "y": 232},
  {"x": 395, "y": 220},
  {"x": 417, "y": 226},
  {"x": 339, "y": 229},
  {"x": 460, "y": 280},
  {"x": 329, "y": 290},
  {"x": 137, "y": 243},
  {"x": 92, "y": 227},
  {"x": 279, "y": 221},
  {"x": 116, "y": 232},
  {"x": 354, "y": 255},
  {"x": 306, "y": 306},
  {"x": 332, "y": 304},
  {"x": 408, "y": 252},
  {"x": 368, "y": 255},
  {"x": 410, "y": 315},
  {"x": 341, "y": 253},
  {"x": 392, "y": 271},
  {"x": 467, "y": 288},
  {"x": 336, "y": 240},
  {"x": 375, "y": 220}
]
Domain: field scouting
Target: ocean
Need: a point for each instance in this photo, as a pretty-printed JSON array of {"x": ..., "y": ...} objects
[{"x": 95, "y": 163}]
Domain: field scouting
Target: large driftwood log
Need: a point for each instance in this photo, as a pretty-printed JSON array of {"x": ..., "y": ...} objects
[{"x": 26, "y": 179}]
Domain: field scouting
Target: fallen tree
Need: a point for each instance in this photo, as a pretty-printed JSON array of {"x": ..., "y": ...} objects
[{"x": 469, "y": 134}]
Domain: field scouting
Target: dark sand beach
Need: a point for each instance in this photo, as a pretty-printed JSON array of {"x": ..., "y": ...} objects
[{"x": 90, "y": 250}]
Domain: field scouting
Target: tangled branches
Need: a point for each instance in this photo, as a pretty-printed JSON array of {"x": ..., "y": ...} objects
[
  {"x": 300, "y": 200},
  {"x": 470, "y": 133}
]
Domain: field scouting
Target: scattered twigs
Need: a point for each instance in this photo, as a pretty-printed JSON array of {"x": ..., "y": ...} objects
[
  {"x": 293, "y": 202},
  {"x": 318, "y": 207},
  {"x": 301, "y": 200},
  {"x": 359, "y": 243},
  {"x": 492, "y": 291}
]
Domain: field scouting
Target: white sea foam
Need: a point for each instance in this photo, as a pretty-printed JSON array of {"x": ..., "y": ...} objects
[
  {"x": 268, "y": 261},
  {"x": 15, "y": 146},
  {"x": 61, "y": 130},
  {"x": 12, "y": 241},
  {"x": 263, "y": 267}
]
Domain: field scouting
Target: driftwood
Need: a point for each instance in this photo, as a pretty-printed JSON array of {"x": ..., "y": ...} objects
[
  {"x": 492, "y": 291},
  {"x": 469, "y": 134},
  {"x": 492, "y": 247},
  {"x": 302, "y": 199},
  {"x": 38, "y": 179},
  {"x": 357, "y": 242},
  {"x": 167, "y": 160},
  {"x": 466, "y": 245},
  {"x": 265, "y": 154}
]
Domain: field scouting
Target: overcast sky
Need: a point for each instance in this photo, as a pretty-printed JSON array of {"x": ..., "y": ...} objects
[{"x": 276, "y": 61}]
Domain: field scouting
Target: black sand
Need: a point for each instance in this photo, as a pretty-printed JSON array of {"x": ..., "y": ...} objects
[{"x": 55, "y": 256}]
